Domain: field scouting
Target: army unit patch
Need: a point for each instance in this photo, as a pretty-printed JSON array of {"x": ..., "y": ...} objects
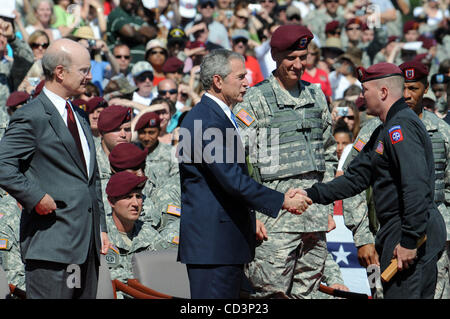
[
  {"x": 173, "y": 210},
  {"x": 409, "y": 74},
  {"x": 395, "y": 133},
  {"x": 359, "y": 145},
  {"x": 245, "y": 117},
  {"x": 380, "y": 148},
  {"x": 3, "y": 243}
]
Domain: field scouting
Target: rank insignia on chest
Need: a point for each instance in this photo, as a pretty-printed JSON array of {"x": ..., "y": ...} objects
[
  {"x": 173, "y": 210},
  {"x": 245, "y": 117},
  {"x": 3, "y": 243},
  {"x": 359, "y": 145},
  {"x": 395, "y": 133},
  {"x": 380, "y": 148}
]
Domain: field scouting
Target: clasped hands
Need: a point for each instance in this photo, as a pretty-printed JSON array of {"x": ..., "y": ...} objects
[{"x": 296, "y": 201}]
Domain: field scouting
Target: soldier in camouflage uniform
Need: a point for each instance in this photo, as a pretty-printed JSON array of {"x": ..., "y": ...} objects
[
  {"x": 160, "y": 159},
  {"x": 290, "y": 264},
  {"x": 356, "y": 213},
  {"x": 127, "y": 233},
  {"x": 160, "y": 205},
  {"x": 10, "y": 257}
]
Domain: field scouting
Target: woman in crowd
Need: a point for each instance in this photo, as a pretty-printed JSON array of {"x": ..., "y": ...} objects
[
  {"x": 312, "y": 73},
  {"x": 41, "y": 18},
  {"x": 156, "y": 54}
]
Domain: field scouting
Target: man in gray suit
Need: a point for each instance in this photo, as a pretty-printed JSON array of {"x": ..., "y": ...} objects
[{"x": 47, "y": 163}]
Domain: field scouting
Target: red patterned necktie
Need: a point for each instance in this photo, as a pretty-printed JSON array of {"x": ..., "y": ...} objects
[{"x": 73, "y": 129}]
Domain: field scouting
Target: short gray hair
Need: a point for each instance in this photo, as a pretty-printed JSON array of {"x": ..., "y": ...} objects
[
  {"x": 217, "y": 63},
  {"x": 52, "y": 59}
]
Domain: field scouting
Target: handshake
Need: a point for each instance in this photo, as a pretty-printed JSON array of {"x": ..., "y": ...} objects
[{"x": 296, "y": 201}]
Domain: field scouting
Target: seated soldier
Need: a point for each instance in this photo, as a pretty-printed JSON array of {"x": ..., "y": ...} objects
[
  {"x": 160, "y": 158},
  {"x": 127, "y": 233},
  {"x": 161, "y": 206}
]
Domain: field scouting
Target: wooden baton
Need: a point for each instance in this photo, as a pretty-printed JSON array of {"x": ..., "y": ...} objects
[{"x": 391, "y": 270}]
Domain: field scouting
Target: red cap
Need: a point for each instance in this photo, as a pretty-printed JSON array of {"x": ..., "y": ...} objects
[
  {"x": 414, "y": 71},
  {"x": 353, "y": 21},
  {"x": 127, "y": 156},
  {"x": 291, "y": 37},
  {"x": 196, "y": 44},
  {"x": 95, "y": 102},
  {"x": 410, "y": 25},
  {"x": 149, "y": 119},
  {"x": 172, "y": 65},
  {"x": 331, "y": 26},
  {"x": 17, "y": 98},
  {"x": 123, "y": 183},
  {"x": 360, "y": 103},
  {"x": 113, "y": 117},
  {"x": 378, "y": 71}
]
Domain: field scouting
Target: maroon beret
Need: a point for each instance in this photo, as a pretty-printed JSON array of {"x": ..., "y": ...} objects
[
  {"x": 127, "y": 156},
  {"x": 172, "y": 65},
  {"x": 353, "y": 21},
  {"x": 149, "y": 119},
  {"x": 17, "y": 98},
  {"x": 410, "y": 25},
  {"x": 195, "y": 44},
  {"x": 80, "y": 103},
  {"x": 378, "y": 71},
  {"x": 123, "y": 183},
  {"x": 392, "y": 38},
  {"x": 95, "y": 102},
  {"x": 38, "y": 88},
  {"x": 112, "y": 117},
  {"x": 291, "y": 37},
  {"x": 331, "y": 26},
  {"x": 414, "y": 71}
]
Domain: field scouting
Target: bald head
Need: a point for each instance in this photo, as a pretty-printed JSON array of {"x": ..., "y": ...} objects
[{"x": 61, "y": 52}]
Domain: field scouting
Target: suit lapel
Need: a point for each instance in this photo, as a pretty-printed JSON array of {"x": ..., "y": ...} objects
[
  {"x": 88, "y": 133},
  {"x": 61, "y": 130}
]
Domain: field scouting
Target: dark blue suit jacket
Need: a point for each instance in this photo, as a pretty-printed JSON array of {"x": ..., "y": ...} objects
[{"x": 217, "y": 198}]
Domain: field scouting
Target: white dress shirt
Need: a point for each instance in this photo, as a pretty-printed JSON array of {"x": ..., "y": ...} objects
[
  {"x": 224, "y": 108},
  {"x": 60, "y": 105}
]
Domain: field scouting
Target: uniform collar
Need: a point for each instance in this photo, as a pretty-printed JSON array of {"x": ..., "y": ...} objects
[{"x": 399, "y": 105}]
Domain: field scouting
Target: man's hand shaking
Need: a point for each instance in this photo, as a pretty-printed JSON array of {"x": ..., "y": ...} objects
[{"x": 296, "y": 201}]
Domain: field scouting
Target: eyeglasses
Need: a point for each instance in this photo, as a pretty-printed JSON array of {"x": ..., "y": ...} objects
[
  {"x": 208, "y": 4},
  {"x": 331, "y": 1},
  {"x": 335, "y": 32},
  {"x": 350, "y": 117},
  {"x": 37, "y": 45},
  {"x": 294, "y": 17},
  {"x": 271, "y": 1},
  {"x": 243, "y": 40},
  {"x": 153, "y": 52},
  {"x": 355, "y": 28},
  {"x": 144, "y": 76},
  {"x": 243, "y": 18},
  {"x": 126, "y": 57},
  {"x": 164, "y": 92}
]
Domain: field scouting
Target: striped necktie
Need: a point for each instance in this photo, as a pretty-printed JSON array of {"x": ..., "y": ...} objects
[{"x": 73, "y": 129}]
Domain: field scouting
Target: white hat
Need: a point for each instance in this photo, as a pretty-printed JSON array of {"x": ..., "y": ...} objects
[{"x": 188, "y": 8}]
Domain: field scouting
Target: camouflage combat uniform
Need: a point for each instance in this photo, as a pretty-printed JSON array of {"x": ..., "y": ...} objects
[
  {"x": 332, "y": 275},
  {"x": 143, "y": 237},
  {"x": 10, "y": 256},
  {"x": 356, "y": 213},
  {"x": 162, "y": 163},
  {"x": 290, "y": 264}
]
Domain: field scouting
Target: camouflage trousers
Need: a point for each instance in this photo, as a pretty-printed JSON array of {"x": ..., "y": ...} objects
[
  {"x": 288, "y": 265},
  {"x": 443, "y": 275}
]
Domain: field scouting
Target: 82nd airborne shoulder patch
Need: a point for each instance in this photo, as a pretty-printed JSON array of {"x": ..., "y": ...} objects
[{"x": 395, "y": 133}]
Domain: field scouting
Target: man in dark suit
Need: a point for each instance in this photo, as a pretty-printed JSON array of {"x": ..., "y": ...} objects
[
  {"x": 47, "y": 163},
  {"x": 218, "y": 226}
]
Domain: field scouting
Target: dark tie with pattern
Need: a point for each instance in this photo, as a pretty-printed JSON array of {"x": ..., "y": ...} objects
[{"x": 73, "y": 129}]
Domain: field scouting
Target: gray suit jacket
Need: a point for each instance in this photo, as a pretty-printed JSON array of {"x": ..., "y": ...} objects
[{"x": 37, "y": 156}]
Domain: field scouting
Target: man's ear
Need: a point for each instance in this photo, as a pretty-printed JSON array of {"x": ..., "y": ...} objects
[
  {"x": 217, "y": 81},
  {"x": 59, "y": 72}
]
